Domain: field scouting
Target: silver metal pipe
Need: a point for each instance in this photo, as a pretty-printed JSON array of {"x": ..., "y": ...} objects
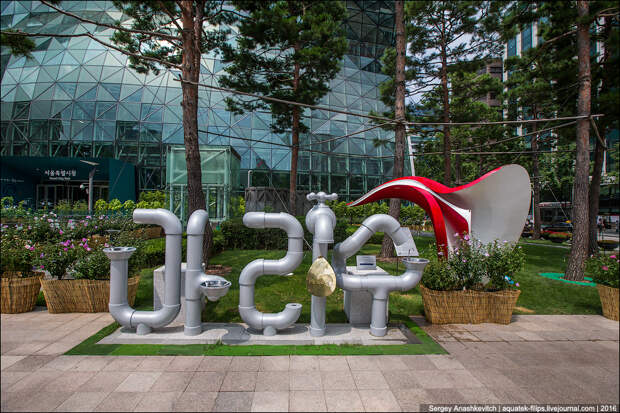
[
  {"x": 320, "y": 221},
  {"x": 193, "y": 271},
  {"x": 144, "y": 321},
  {"x": 374, "y": 223},
  {"x": 378, "y": 285},
  {"x": 270, "y": 323}
]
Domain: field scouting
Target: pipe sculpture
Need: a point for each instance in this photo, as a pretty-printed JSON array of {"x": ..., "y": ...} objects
[
  {"x": 145, "y": 321},
  {"x": 197, "y": 283},
  {"x": 379, "y": 286},
  {"x": 270, "y": 323},
  {"x": 320, "y": 221}
]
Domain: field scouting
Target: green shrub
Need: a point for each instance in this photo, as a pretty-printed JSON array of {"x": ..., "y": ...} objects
[
  {"x": 63, "y": 206},
  {"x": 236, "y": 235},
  {"x": 115, "y": 205},
  {"x": 559, "y": 236},
  {"x": 475, "y": 266},
  {"x": 80, "y": 206},
  {"x": 101, "y": 205},
  {"x": 604, "y": 270},
  {"x": 7, "y": 202},
  {"x": 17, "y": 253},
  {"x": 129, "y": 206},
  {"x": 438, "y": 275}
]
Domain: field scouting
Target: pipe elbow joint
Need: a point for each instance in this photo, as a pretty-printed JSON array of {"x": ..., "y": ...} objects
[
  {"x": 197, "y": 222},
  {"x": 251, "y": 272},
  {"x": 121, "y": 313},
  {"x": 285, "y": 222},
  {"x": 160, "y": 216},
  {"x": 382, "y": 223}
]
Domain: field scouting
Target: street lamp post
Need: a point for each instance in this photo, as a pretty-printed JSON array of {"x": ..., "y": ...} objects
[{"x": 91, "y": 176}]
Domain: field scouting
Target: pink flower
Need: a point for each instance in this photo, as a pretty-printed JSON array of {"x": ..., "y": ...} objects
[
  {"x": 107, "y": 245},
  {"x": 65, "y": 249},
  {"x": 88, "y": 249},
  {"x": 466, "y": 237},
  {"x": 84, "y": 240},
  {"x": 85, "y": 224},
  {"x": 42, "y": 255},
  {"x": 605, "y": 268},
  {"x": 517, "y": 284},
  {"x": 27, "y": 246},
  {"x": 31, "y": 248},
  {"x": 612, "y": 257},
  {"x": 42, "y": 266},
  {"x": 61, "y": 232}
]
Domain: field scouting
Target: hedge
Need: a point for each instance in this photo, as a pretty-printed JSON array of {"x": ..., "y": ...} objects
[{"x": 238, "y": 236}]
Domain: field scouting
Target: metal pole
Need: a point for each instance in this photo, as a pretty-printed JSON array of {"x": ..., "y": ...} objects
[
  {"x": 411, "y": 157},
  {"x": 91, "y": 175}
]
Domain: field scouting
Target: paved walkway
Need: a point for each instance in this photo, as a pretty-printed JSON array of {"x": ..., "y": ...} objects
[{"x": 536, "y": 359}]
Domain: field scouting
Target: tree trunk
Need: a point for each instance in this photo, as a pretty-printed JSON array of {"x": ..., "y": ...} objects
[
  {"x": 292, "y": 199},
  {"x": 387, "y": 247},
  {"x": 192, "y": 26},
  {"x": 595, "y": 184},
  {"x": 447, "y": 167},
  {"x": 579, "y": 247},
  {"x": 535, "y": 182}
]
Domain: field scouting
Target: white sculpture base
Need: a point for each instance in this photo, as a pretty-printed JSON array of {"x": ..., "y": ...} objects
[
  {"x": 358, "y": 304},
  {"x": 158, "y": 292}
]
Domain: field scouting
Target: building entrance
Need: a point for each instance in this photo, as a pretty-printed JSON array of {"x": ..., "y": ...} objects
[{"x": 50, "y": 194}]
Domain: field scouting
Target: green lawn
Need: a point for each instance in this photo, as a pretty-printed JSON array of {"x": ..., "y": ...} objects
[{"x": 541, "y": 295}]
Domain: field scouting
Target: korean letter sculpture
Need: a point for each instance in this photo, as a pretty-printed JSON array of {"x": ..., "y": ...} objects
[{"x": 492, "y": 207}]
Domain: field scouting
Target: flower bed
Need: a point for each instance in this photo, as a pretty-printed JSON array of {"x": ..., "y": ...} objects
[{"x": 471, "y": 285}]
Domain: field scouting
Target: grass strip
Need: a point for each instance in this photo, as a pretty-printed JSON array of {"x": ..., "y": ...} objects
[{"x": 90, "y": 347}]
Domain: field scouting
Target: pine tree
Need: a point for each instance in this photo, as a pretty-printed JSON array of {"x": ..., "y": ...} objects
[
  {"x": 441, "y": 34},
  {"x": 288, "y": 50}
]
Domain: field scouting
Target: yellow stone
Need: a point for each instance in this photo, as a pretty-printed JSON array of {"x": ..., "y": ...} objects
[{"x": 321, "y": 279}]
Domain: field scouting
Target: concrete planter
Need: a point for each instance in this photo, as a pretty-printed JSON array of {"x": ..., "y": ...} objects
[
  {"x": 82, "y": 296},
  {"x": 468, "y": 307},
  {"x": 609, "y": 300}
]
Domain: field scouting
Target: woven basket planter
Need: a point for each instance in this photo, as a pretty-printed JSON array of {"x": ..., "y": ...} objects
[
  {"x": 82, "y": 296},
  {"x": 19, "y": 295},
  {"x": 468, "y": 307},
  {"x": 500, "y": 306},
  {"x": 609, "y": 300}
]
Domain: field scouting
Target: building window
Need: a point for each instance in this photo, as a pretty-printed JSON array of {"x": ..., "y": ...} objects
[
  {"x": 526, "y": 38},
  {"x": 512, "y": 47}
]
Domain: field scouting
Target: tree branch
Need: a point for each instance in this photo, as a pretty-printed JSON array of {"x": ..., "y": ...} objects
[
  {"x": 110, "y": 26},
  {"x": 125, "y": 52}
]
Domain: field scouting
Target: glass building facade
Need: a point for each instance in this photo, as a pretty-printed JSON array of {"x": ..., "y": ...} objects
[{"x": 76, "y": 98}]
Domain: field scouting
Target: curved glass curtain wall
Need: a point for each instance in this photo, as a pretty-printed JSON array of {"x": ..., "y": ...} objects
[{"x": 76, "y": 98}]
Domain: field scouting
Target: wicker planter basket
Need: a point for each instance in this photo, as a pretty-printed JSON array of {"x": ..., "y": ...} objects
[
  {"x": 609, "y": 300},
  {"x": 468, "y": 307},
  {"x": 82, "y": 296},
  {"x": 500, "y": 306},
  {"x": 19, "y": 295}
]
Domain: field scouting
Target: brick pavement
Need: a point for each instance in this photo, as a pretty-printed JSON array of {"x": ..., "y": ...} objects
[{"x": 535, "y": 359}]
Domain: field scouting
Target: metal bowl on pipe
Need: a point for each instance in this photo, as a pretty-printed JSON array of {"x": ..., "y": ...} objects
[{"x": 215, "y": 289}]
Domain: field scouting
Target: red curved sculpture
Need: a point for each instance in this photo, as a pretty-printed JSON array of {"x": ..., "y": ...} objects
[{"x": 493, "y": 207}]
